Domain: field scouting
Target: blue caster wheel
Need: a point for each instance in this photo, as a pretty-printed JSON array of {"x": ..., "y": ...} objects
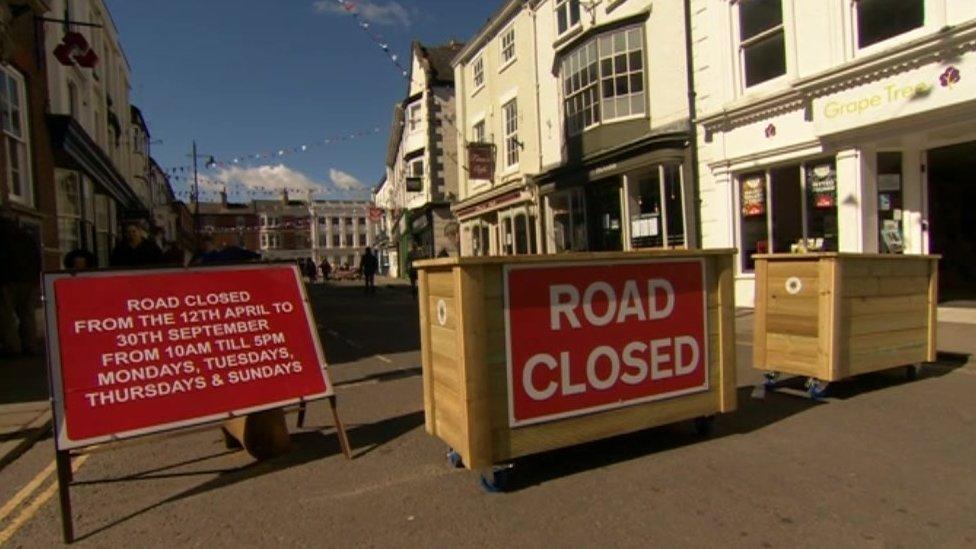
[
  {"x": 454, "y": 459},
  {"x": 770, "y": 379},
  {"x": 816, "y": 388},
  {"x": 704, "y": 426},
  {"x": 497, "y": 480}
]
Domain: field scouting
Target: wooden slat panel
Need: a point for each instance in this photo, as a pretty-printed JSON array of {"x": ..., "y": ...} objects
[
  {"x": 568, "y": 432},
  {"x": 793, "y": 305},
  {"x": 425, "y": 356},
  {"x": 725, "y": 365},
  {"x": 763, "y": 305},
  {"x": 786, "y": 269},
  {"x": 443, "y": 341},
  {"x": 441, "y": 284},
  {"x": 872, "y": 361},
  {"x": 933, "y": 304},
  {"x": 869, "y": 306},
  {"x": 785, "y": 343},
  {"x": 445, "y": 370},
  {"x": 831, "y": 337},
  {"x": 884, "y": 286},
  {"x": 885, "y": 267},
  {"x": 803, "y": 325},
  {"x": 886, "y": 322},
  {"x": 886, "y": 341}
]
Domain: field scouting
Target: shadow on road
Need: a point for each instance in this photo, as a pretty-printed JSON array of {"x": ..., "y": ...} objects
[
  {"x": 307, "y": 447},
  {"x": 24, "y": 379},
  {"x": 751, "y": 415}
]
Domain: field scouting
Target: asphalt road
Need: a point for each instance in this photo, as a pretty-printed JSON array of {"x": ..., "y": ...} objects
[{"x": 881, "y": 462}]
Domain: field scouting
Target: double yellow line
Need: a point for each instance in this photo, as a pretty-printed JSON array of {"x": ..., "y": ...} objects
[{"x": 26, "y": 492}]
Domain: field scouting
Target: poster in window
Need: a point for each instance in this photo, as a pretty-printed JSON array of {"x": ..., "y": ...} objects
[
  {"x": 754, "y": 196},
  {"x": 822, "y": 185}
]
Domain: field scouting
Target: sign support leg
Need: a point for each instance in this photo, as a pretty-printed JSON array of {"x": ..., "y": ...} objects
[
  {"x": 340, "y": 429},
  {"x": 63, "y": 460},
  {"x": 302, "y": 409}
]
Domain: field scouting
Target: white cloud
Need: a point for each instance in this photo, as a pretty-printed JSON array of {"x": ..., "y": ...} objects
[
  {"x": 390, "y": 13},
  {"x": 270, "y": 178},
  {"x": 344, "y": 181}
]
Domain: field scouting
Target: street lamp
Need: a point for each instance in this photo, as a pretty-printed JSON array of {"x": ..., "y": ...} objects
[{"x": 196, "y": 191}]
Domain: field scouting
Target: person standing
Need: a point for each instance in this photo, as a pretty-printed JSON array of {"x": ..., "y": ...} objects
[
  {"x": 326, "y": 269},
  {"x": 135, "y": 249},
  {"x": 20, "y": 275},
  {"x": 369, "y": 266},
  {"x": 413, "y": 255}
]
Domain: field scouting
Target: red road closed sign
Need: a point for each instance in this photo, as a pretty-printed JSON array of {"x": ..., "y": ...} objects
[
  {"x": 589, "y": 337},
  {"x": 136, "y": 352}
]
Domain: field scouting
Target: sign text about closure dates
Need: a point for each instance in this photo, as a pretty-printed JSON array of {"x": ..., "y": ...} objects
[
  {"x": 179, "y": 344},
  {"x": 587, "y": 337}
]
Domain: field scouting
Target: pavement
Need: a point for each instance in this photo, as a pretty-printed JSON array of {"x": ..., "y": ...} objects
[{"x": 882, "y": 461}]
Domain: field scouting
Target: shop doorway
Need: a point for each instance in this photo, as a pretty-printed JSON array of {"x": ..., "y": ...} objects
[
  {"x": 952, "y": 233},
  {"x": 603, "y": 210}
]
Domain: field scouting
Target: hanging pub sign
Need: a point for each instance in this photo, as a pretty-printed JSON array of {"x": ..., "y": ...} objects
[
  {"x": 822, "y": 185},
  {"x": 481, "y": 161},
  {"x": 753, "y": 196}
]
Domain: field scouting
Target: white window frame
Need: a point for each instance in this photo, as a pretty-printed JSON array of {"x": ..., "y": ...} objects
[
  {"x": 570, "y": 25},
  {"x": 479, "y": 128},
  {"x": 16, "y": 144},
  {"x": 568, "y": 73},
  {"x": 506, "y": 47},
  {"x": 741, "y": 46},
  {"x": 932, "y": 17},
  {"x": 412, "y": 165},
  {"x": 510, "y": 124},
  {"x": 478, "y": 74},
  {"x": 414, "y": 125}
]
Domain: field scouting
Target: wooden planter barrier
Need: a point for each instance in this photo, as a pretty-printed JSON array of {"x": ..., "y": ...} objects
[
  {"x": 466, "y": 364},
  {"x": 830, "y": 316}
]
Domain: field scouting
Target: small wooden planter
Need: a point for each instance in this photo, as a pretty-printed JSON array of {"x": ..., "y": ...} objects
[
  {"x": 830, "y": 316},
  {"x": 465, "y": 365}
]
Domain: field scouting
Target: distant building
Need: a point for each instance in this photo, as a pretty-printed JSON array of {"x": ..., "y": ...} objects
[
  {"x": 229, "y": 224},
  {"x": 343, "y": 229}
]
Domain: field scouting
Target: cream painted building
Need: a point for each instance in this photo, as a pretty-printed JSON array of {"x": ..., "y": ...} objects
[
  {"x": 421, "y": 161},
  {"x": 614, "y": 126},
  {"x": 100, "y": 168},
  {"x": 841, "y": 125},
  {"x": 602, "y": 128},
  {"x": 495, "y": 79}
]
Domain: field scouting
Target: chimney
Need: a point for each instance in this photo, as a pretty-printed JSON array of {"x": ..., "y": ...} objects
[
  {"x": 223, "y": 198},
  {"x": 284, "y": 196}
]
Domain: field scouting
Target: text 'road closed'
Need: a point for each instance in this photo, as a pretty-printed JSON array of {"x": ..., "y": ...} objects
[{"x": 584, "y": 338}]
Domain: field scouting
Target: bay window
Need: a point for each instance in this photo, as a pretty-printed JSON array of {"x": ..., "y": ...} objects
[
  {"x": 16, "y": 139},
  {"x": 603, "y": 80}
]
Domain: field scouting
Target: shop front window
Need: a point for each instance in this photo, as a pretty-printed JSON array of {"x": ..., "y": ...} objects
[
  {"x": 890, "y": 206},
  {"x": 788, "y": 209},
  {"x": 604, "y": 210},
  {"x": 657, "y": 208},
  {"x": 566, "y": 223}
]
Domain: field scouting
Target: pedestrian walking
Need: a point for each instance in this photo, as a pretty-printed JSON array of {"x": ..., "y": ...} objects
[
  {"x": 413, "y": 255},
  {"x": 369, "y": 265},
  {"x": 20, "y": 274},
  {"x": 326, "y": 269},
  {"x": 311, "y": 270},
  {"x": 135, "y": 249}
]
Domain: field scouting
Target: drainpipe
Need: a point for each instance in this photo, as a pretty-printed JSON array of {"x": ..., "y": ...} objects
[
  {"x": 530, "y": 181},
  {"x": 693, "y": 123}
]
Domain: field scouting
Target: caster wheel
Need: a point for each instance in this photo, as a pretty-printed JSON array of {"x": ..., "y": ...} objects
[
  {"x": 816, "y": 388},
  {"x": 912, "y": 372},
  {"x": 497, "y": 480},
  {"x": 770, "y": 379},
  {"x": 704, "y": 426},
  {"x": 454, "y": 459}
]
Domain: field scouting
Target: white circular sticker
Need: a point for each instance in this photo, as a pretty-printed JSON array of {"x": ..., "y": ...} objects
[
  {"x": 441, "y": 312},
  {"x": 794, "y": 285}
]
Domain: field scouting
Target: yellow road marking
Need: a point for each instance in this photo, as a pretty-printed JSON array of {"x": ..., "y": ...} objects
[
  {"x": 38, "y": 502},
  {"x": 26, "y": 491}
]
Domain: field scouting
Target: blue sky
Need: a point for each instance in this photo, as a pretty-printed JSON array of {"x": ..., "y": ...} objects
[{"x": 246, "y": 77}]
